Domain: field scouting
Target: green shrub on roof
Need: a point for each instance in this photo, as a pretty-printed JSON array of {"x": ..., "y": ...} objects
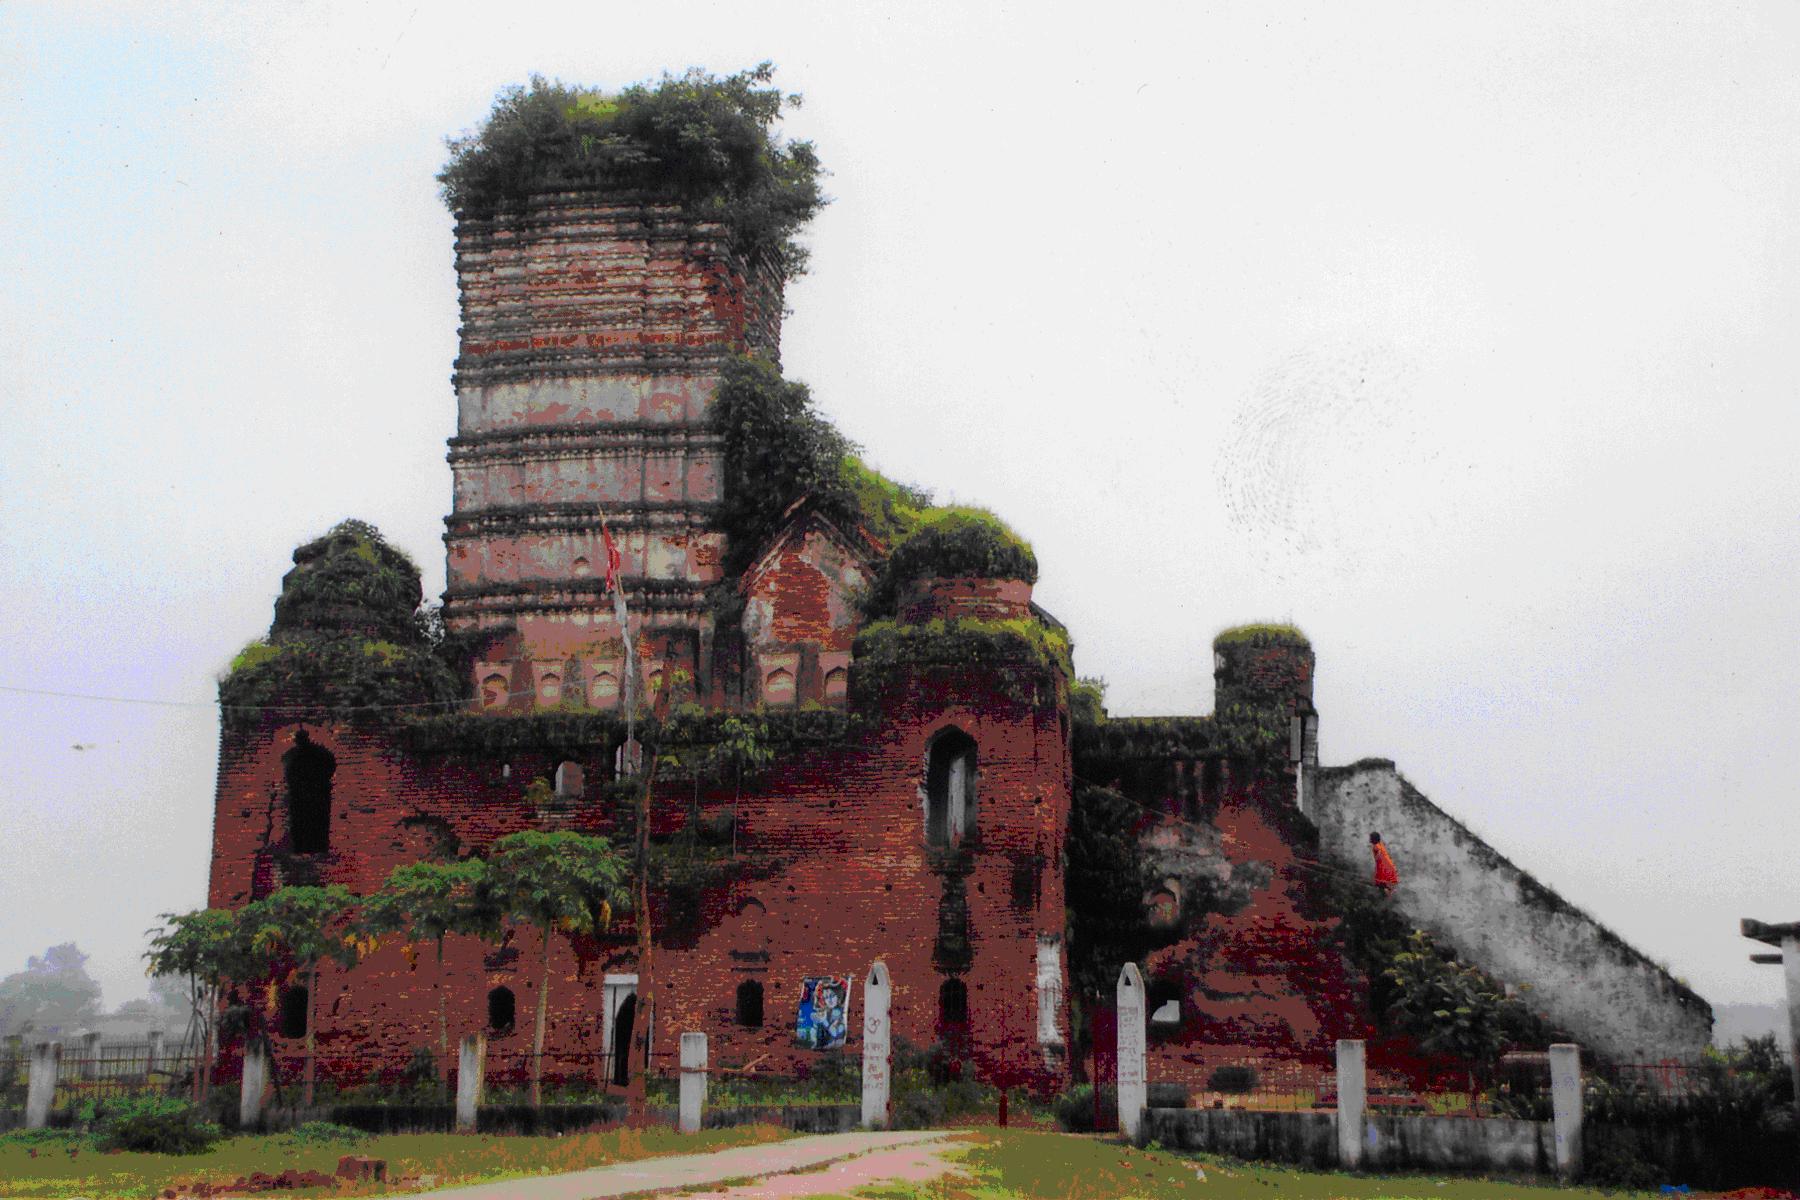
[
  {"x": 1261, "y": 635},
  {"x": 348, "y": 640},
  {"x": 957, "y": 542},
  {"x": 696, "y": 137}
]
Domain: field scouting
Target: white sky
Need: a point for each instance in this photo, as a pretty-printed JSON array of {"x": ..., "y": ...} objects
[{"x": 1462, "y": 336}]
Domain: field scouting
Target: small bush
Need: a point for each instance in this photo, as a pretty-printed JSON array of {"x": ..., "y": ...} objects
[
  {"x": 324, "y": 1133},
  {"x": 1235, "y": 1079},
  {"x": 155, "y": 1124},
  {"x": 919, "y": 1108},
  {"x": 1166, "y": 1095},
  {"x": 1075, "y": 1109}
]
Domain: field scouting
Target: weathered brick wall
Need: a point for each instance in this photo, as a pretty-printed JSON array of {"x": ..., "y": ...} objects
[
  {"x": 1581, "y": 974},
  {"x": 836, "y": 873},
  {"x": 801, "y": 611},
  {"x": 1251, "y": 962}
]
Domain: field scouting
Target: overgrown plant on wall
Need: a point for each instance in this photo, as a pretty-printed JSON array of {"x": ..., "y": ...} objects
[
  {"x": 349, "y": 640},
  {"x": 779, "y": 449},
  {"x": 703, "y": 139}
]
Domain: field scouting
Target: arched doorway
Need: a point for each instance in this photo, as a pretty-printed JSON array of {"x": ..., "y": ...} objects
[{"x": 621, "y": 1039}]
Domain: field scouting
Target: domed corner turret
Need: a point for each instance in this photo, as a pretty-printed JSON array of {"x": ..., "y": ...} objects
[
  {"x": 1267, "y": 671},
  {"x": 959, "y": 620}
]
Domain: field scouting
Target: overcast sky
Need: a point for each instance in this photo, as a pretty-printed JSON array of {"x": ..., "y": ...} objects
[{"x": 1462, "y": 336}]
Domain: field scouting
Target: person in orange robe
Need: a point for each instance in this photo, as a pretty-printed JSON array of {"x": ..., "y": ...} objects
[{"x": 1387, "y": 878}]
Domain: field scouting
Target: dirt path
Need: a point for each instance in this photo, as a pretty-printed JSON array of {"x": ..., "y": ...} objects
[
  {"x": 911, "y": 1164},
  {"x": 890, "y": 1155}
]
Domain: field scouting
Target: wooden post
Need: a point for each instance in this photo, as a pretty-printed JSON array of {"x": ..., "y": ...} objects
[
  {"x": 1352, "y": 1095},
  {"x": 471, "y": 1080},
  {"x": 1565, "y": 1101},
  {"x": 40, "y": 1091},
  {"x": 877, "y": 995},
  {"x": 1133, "y": 1091}
]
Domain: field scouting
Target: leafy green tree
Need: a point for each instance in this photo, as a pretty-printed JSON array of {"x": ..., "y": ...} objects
[
  {"x": 1447, "y": 1007},
  {"x": 430, "y": 901},
  {"x": 562, "y": 880},
  {"x": 202, "y": 947},
  {"x": 53, "y": 994},
  {"x": 299, "y": 927}
]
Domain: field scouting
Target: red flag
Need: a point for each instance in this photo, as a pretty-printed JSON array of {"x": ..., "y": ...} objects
[{"x": 612, "y": 559}]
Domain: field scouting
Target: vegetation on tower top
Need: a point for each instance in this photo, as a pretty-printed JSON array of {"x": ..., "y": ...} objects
[{"x": 706, "y": 140}]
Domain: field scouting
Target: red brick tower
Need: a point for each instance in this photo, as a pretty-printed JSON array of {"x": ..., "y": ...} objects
[{"x": 594, "y": 327}]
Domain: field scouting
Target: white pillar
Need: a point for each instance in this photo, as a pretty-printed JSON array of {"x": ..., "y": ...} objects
[
  {"x": 156, "y": 1052},
  {"x": 1565, "y": 1102},
  {"x": 471, "y": 1080},
  {"x": 876, "y": 997},
  {"x": 40, "y": 1089},
  {"x": 1790, "y": 966},
  {"x": 250, "y": 1089},
  {"x": 1049, "y": 990},
  {"x": 1133, "y": 1092},
  {"x": 1352, "y": 1093},
  {"x": 693, "y": 1081},
  {"x": 90, "y": 1056}
]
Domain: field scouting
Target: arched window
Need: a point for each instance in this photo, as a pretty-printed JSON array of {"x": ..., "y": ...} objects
[
  {"x": 1165, "y": 908},
  {"x": 1164, "y": 1003},
  {"x": 550, "y": 689},
  {"x": 293, "y": 1012},
  {"x": 750, "y": 1004},
  {"x": 953, "y": 1011},
  {"x": 308, "y": 768},
  {"x": 569, "y": 780},
  {"x": 950, "y": 789},
  {"x": 581, "y": 568},
  {"x": 502, "y": 1010},
  {"x": 493, "y": 691},
  {"x": 837, "y": 682},
  {"x": 778, "y": 686},
  {"x": 603, "y": 692}
]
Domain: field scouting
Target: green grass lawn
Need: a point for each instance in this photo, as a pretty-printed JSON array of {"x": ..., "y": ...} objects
[
  {"x": 67, "y": 1165},
  {"x": 1007, "y": 1164}
]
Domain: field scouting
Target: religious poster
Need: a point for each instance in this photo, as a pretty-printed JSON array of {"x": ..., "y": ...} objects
[{"x": 824, "y": 1020}]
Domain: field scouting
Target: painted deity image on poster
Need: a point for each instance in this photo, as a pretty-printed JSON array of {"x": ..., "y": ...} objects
[{"x": 824, "y": 1017}]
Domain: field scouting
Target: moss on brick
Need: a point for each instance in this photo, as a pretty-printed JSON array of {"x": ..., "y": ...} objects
[{"x": 1261, "y": 635}]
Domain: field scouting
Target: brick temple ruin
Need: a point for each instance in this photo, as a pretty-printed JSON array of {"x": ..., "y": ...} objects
[{"x": 918, "y": 813}]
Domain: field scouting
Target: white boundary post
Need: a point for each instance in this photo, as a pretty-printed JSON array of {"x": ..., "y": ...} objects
[
  {"x": 1352, "y": 1093},
  {"x": 1565, "y": 1101},
  {"x": 1132, "y": 1087},
  {"x": 877, "y": 994},
  {"x": 471, "y": 1080},
  {"x": 693, "y": 1081}
]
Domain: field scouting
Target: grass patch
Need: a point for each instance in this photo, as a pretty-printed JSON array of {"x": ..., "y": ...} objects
[
  {"x": 68, "y": 1165},
  {"x": 1021, "y": 1165}
]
